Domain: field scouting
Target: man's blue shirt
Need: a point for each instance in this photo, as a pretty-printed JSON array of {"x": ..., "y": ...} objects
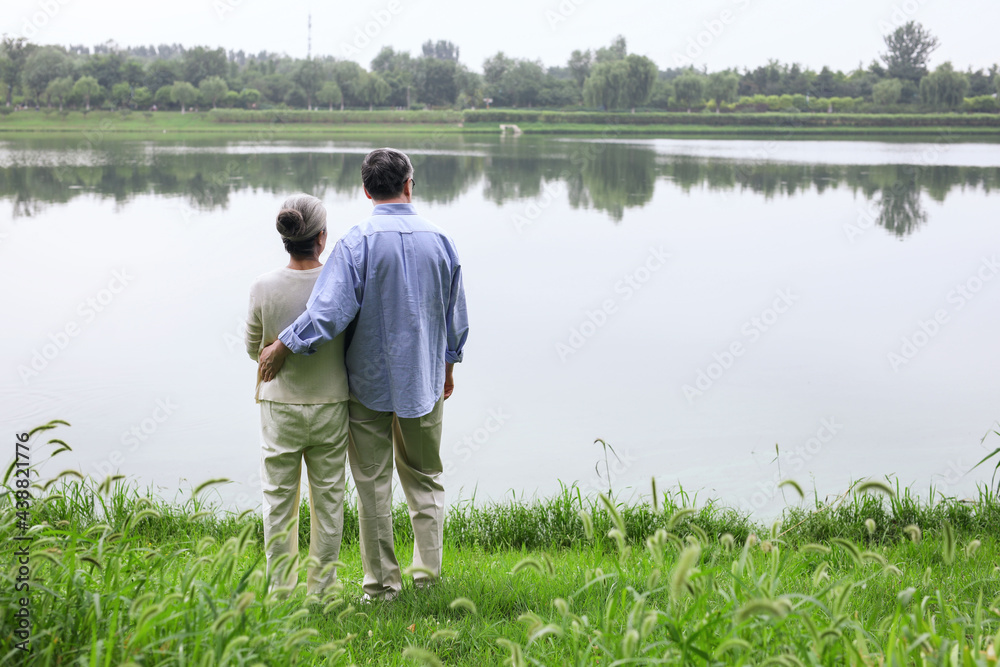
[{"x": 400, "y": 276}]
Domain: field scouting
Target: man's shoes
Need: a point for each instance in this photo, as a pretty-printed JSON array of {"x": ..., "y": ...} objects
[
  {"x": 388, "y": 596},
  {"x": 425, "y": 584}
]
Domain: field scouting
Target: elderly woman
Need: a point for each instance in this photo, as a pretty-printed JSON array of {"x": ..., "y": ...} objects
[{"x": 303, "y": 411}]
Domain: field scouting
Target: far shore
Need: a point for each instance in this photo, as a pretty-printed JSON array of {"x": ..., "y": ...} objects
[{"x": 265, "y": 126}]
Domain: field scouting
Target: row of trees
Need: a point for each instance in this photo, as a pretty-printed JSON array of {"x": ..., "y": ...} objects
[{"x": 170, "y": 76}]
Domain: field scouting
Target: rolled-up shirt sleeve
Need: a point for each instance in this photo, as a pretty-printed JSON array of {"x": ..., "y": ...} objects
[
  {"x": 457, "y": 319},
  {"x": 333, "y": 304}
]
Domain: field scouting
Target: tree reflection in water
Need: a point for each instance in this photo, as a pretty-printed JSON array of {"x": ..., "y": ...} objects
[{"x": 604, "y": 176}]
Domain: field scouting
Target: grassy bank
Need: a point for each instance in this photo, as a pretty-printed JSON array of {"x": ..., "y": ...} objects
[
  {"x": 174, "y": 125},
  {"x": 268, "y": 125},
  {"x": 118, "y": 576}
]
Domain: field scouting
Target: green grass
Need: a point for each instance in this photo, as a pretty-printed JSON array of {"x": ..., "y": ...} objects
[
  {"x": 742, "y": 131},
  {"x": 174, "y": 125},
  {"x": 269, "y": 125},
  {"x": 120, "y": 576}
]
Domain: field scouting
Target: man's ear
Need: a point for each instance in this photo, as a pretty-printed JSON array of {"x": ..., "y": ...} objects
[{"x": 366, "y": 192}]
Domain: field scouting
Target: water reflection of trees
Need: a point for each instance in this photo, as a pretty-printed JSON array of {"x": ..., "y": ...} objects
[{"x": 607, "y": 177}]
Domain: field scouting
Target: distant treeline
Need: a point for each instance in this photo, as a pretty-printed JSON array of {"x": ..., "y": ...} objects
[
  {"x": 608, "y": 78},
  {"x": 607, "y": 177}
]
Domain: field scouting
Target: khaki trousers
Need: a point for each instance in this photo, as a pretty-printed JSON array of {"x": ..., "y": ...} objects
[
  {"x": 291, "y": 434},
  {"x": 416, "y": 443}
]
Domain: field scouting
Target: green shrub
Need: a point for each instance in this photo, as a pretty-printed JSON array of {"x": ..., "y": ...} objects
[{"x": 981, "y": 104}]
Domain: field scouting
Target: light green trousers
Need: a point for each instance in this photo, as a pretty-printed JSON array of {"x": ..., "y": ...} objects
[
  {"x": 291, "y": 434},
  {"x": 416, "y": 443}
]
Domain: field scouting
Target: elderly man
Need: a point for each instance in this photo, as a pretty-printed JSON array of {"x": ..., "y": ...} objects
[{"x": 394, "y": 283}]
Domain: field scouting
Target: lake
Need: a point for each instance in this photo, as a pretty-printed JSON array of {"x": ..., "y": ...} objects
[{"x": 724, "y": 314}]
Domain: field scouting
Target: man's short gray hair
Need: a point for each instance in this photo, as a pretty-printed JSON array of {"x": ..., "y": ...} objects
[{"x": 384, "y": 172}]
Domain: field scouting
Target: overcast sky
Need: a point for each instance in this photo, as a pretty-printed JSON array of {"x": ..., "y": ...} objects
[{"x": 716, "y": 33}]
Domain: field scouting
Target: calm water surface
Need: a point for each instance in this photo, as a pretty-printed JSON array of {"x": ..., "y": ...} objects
[{"x": 696, "y": 304}]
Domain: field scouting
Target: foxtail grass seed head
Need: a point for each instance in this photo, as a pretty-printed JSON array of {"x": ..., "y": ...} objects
[
  {"x": 244, "y": 600},
  {"x": 751, "y": 540},
  {"x": 850, "y": 547},
  {"x": 972, "y": 547},
  {"x": 766, "y": 546},
  {"x": 656, "y": 546},
  {"x": 561, "y": 606},
  {"x": 727, "y": 540},
  {"x": 679, "y": 516},
  {"x": 588, "y": 523},
  {"x": 464, "y": 603},
  {"x": 893, "y": 571},
  {"x": 876, "y": 486},
  {"x": 531, "y": 621},
  {"x": 619, "y": 538},
  {"x": 516, "y": 655},
  {"x": 649, "y": 623},
  {"x": 763, "y": 607},
  {"x": 545, "y": 631},
  {"x": 616, "y": 516},
  {"x": 948, "y": 546},
  {"x": 873, "y": 557},
  {"x": 870, "y": 526},
  {"x": 734, "y": 644},
  {"x": 444, "y": 635},
  {"x": 795, "y": 485},
  {"x": 629, "y": 643},
  {"x": 821, "y": 574},
  {"x": 913, "y": 532},
  {"x": 813, "y": 548},
  {"x": 682, "y": 570},
  {"x": 422, "y": 656}
]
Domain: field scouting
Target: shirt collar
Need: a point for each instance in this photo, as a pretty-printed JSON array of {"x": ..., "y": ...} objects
[{"x": 394, "y": 209}]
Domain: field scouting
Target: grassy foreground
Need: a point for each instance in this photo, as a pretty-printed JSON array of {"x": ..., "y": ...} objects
[
  {"x": 269, "y": 125},
  {"x": 120, "y": 577}
]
